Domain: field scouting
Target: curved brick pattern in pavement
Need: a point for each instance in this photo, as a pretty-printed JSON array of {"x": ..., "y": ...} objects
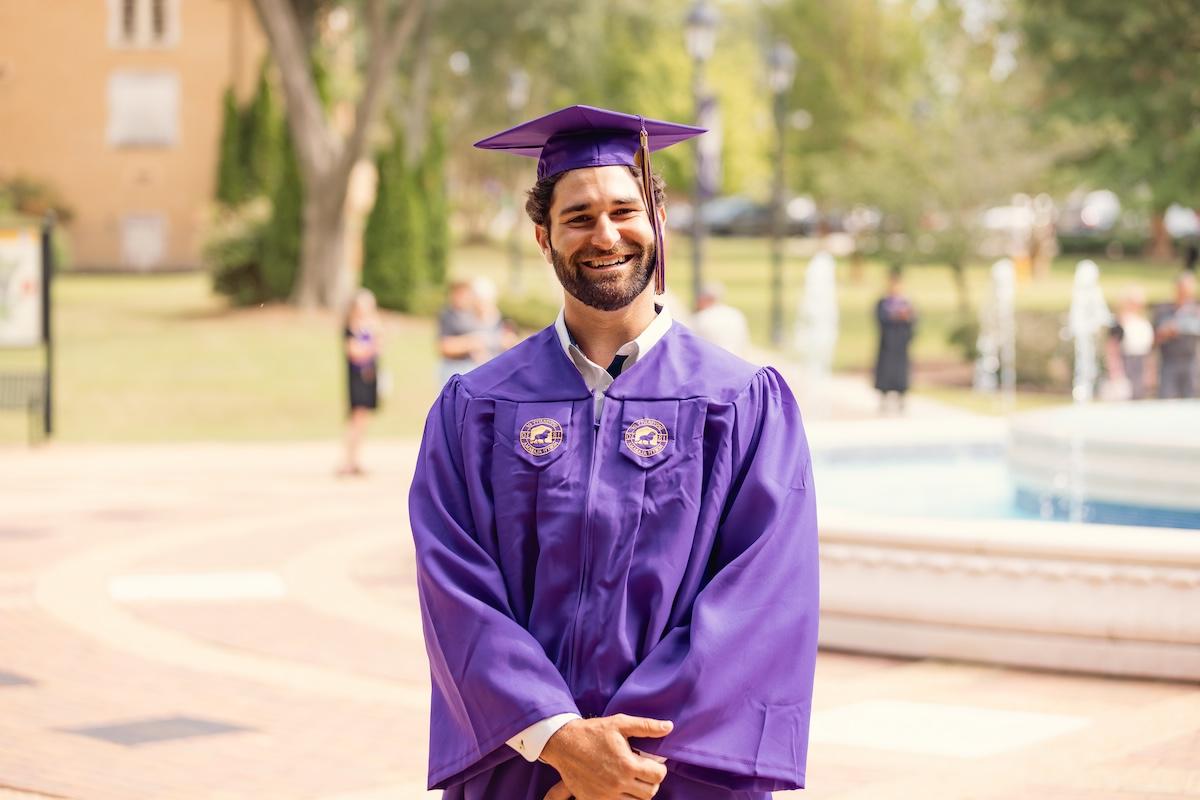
[{"x": 320, "y": 691}]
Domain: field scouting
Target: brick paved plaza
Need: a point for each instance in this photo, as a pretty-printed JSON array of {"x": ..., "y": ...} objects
[{"x": 231, "y": 621}]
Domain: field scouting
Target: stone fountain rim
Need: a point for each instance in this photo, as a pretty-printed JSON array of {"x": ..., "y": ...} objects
[{"x": 1161, "y": 547}]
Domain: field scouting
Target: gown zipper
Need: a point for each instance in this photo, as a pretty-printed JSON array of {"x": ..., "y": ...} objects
[{"x": 597, "y": 416}]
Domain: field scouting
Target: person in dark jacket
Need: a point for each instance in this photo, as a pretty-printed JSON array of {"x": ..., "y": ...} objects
[{"x": 896, "y": 318}]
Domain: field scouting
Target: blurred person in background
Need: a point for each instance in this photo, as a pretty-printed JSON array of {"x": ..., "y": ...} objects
[
  {"x": 721, "y": 324},
  {"x": 1130, "y": 341},
  {"x": 680, "y": 311},
  {"x": 498, "y": 334},
  {"x": 360, "y": 333},
  {"x": 896, "y": 318},
  {"x": 1176, "y": 330},
  {"x": 461, "y": 344}
]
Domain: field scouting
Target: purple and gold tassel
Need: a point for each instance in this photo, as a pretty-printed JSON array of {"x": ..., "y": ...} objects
[{"x": 660, "y": 256}]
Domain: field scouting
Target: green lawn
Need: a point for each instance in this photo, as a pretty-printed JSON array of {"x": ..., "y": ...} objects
[
  {"x": 963, "y": 397},
  {"x": 158, "y": 358}
]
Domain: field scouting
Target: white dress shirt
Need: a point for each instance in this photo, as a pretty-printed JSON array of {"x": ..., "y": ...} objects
[
  {"x": 597, "y": 377},
  {"x": 530, "y": 742}
]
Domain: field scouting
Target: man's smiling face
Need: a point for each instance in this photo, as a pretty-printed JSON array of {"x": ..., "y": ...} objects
[{"x": 599, "y": 237}]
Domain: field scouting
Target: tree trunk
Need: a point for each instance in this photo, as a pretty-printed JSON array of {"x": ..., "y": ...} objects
[
  {"x": 325, "y": 157},
  {"x": 323, "y": 280},
  {"x": 1161, "y": 247}
]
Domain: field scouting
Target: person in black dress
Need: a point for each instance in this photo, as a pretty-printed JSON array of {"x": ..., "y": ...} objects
[
  {"x": 896, "y": 317},
  {"x": 361, "y": 337}
]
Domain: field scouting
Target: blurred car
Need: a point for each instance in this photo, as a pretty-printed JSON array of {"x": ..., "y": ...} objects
[
  {"x": 1182, "y": 222},
  {"x": 1094, "y": 222},
  {"x": 738, "y": 215},
  {"x": 1084, "y": 213}
]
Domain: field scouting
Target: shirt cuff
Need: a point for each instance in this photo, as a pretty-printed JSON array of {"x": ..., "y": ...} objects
[
  {"x": 530, "y": 742},
  {"x": 651, "y": 756}
]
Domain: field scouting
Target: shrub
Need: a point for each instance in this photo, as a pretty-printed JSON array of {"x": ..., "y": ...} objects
[
  {"x": 33, "y": 198},
  {"x": 231, "y": 188},
  {"x": 530, "y": 313},
  {"x": 233, "y": 251},
  {"x": 395, "y": 242},
  {"x": 263, "y": 149},
  {"x": 280, "y": 260}
]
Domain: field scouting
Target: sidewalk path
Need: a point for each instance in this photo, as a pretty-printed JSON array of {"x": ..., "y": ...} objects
[{"x": 231, "y": 622}]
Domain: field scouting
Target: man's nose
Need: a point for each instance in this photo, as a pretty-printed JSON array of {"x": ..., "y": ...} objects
[{"x": 605, "y": 234}]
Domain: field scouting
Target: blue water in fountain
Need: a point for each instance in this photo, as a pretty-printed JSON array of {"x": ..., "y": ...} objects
[{"x": 954, "y": 482}]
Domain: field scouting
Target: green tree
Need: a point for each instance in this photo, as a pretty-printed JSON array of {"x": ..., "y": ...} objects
[
  {"x": 262, "y": 137},
  {"x": 281, "y": 238},
  {"x": 1129, "y": 72},
  {"x": 325, "y": 153},
  {"x": 395, "y": 253},
  {"x": 943, "y": 135},
  {"x": 436, "y": 206},
  {"x": 231, "y": 188},
  {"x": 858, "y": 63}
]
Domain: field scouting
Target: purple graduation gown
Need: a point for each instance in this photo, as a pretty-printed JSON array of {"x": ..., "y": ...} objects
[{"x": 679, "y": 584}]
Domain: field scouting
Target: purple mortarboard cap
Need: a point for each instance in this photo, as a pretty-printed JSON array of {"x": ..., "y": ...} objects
[{"x": 583, "y": 136}]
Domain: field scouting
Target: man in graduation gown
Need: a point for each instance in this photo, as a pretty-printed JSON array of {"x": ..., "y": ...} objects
[{"x": 614, "y": 523}]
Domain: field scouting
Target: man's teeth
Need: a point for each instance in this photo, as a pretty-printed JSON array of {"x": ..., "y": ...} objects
[{"x": 608, "y": 263}]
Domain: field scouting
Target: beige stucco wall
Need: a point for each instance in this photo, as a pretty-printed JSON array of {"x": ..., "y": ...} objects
[{"x": 55, "y": 63}]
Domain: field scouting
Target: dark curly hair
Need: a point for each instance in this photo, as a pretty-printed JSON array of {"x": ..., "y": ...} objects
[{"x": 538, "y": 199}]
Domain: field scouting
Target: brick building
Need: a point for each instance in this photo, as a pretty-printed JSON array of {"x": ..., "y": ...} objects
[{"x": 116, "y": 104}]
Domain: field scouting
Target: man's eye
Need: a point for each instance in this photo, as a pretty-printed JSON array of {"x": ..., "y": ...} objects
[
  {"x": 624, "y": 211},
  {"x": 576, "y": 220}
]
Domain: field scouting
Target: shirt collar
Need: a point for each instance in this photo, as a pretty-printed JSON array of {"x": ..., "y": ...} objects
[{"x": 596, "y": 376}]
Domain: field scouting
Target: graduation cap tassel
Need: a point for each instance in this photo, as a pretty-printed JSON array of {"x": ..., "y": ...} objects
[{"x": 660, "y": 257}]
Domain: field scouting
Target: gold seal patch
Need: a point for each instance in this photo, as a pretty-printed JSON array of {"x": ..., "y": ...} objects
[
  {"x": 646, "y": 437},
  {"x": 540, "y": 436}
]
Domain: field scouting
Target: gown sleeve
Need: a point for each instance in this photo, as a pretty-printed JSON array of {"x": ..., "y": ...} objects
[
  {"x": 736, "y": 677},
  {"x": 490, "y": 677}
]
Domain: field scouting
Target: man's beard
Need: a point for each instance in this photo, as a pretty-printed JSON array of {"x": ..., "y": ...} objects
[{"x": 605, "y": 291}]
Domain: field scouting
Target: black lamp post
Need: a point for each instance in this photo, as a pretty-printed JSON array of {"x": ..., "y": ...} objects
[
  {"x": 781, "y": 71},
  {"x": 700, "y": 35},
  {"x": 517, "y": 98}
]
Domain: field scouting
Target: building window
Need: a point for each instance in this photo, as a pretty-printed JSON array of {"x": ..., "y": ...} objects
[
  {"x": 158, "y": 19},
  {"x": 129, "y": 19},
  {"x": 143, "y": 240},
  {"x": 143, "y": 23},
  {"x": 143, "y": 109}
]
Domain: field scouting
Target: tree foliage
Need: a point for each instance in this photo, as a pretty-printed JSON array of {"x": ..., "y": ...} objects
[
  {"x": 230, "y": 164},
  {"x": 1129, "y": 72},
  {"x": 263, "y": 143},
  {"x": 254, "y": 245},
  {"x": 326, "y": 150},
  {"x": 395, "y": 254},
  {"x": 282, "y": 234},
  {"x": 435, "y": 206}
]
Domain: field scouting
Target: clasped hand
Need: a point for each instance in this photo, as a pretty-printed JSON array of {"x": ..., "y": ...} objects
[{"x": 595, "y": 761}]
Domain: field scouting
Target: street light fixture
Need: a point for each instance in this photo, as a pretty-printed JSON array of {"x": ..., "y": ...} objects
[
  {"x": 518, "y": 90},
  {"x": 517, "y": 97},
  {"x": 781, "y": 67},
  {"x": 781, "y": 72},
  {"x": 700, "y": 30},
  {"x": 700, "y": 37}
]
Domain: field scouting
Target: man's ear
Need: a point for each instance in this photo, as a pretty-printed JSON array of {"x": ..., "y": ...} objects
[
  {"x": 542, "y": 234},
  {"x": 662, "y": 214}
]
